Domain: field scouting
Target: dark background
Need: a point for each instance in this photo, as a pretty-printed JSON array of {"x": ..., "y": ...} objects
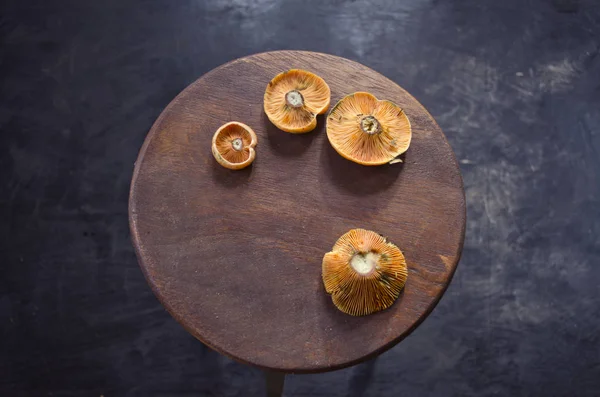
[{"x": 514, "y": 84}]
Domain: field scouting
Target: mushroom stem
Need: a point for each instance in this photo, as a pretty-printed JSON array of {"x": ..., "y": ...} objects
[
  {"x": 364, "y": 263},
  {"x": 294, "y": 99},
  {"x": 237, "y": 144},
  {"x": 370, "y": 125}
]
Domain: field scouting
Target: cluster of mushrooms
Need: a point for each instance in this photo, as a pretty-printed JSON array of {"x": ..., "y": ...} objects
[{"x": 364, "y": 273}]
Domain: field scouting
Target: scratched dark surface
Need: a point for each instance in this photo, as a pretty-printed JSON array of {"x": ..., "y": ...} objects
[{"x": 513, "y": 84}]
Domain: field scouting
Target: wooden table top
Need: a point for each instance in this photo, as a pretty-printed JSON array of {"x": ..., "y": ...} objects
[{"x": 235, "y": 256}]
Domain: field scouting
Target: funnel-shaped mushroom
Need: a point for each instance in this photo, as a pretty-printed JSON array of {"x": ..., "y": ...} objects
[
  {"x": 368, "y": 131},
  {"x": 293, "y": 99},
  {"x": 364, "y": 273},
  {"x": 233, "y": 145}
]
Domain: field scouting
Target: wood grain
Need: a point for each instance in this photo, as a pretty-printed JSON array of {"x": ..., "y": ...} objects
[{"x": 235, "y": 256}]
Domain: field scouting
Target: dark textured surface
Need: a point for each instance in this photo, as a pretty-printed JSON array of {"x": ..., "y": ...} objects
[
  {"x": 236, "y": 257},
  {"x": 513, "y": 84}
]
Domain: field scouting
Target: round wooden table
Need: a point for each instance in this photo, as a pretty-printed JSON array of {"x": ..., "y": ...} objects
[{"x": 235, "y": 256}]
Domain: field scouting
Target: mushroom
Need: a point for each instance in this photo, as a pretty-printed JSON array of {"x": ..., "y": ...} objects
[
  {"x": 368, "y": 131},
  {"x": 293, "y": 99},
  {"x": 233, "y": 145},
  {"x": 364, "y": 273}
]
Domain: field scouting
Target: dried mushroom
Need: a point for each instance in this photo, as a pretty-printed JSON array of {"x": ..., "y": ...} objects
[
  {"x": 293, "y": 99},
  {"x": 368, "y": 131},
  {"x": 364, "y": 273},
  {"x": 233, "y": 145}
]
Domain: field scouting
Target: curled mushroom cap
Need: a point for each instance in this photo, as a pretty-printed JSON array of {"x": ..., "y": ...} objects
[
  {"x": 364, "y": 273},
  {"x": 368, "y": 131},
  {"x": 233, "y": 145},
  {"x": 293, "y": 99}
]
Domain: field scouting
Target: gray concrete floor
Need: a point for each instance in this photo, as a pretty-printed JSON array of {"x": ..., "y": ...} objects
[{"x": 514, "y": 84}]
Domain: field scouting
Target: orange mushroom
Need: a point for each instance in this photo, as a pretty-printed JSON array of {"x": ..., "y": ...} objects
[
  {"x": 233, "y": 145},
  {"x": 364, "y": 273},
  {"x": 293, "y": 99},
  {"x": 368, "y": 131}
]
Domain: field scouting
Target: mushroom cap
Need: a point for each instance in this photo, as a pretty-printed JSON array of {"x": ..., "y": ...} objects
[
  {"x": 300, "y": 118},
  {"x": 364, "y": 273},
  {"x": 223, "y": 148},
  {"x": 348, "y": 138}
]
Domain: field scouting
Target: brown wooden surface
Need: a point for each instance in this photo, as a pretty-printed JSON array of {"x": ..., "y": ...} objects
[{"x": 235, "y": 256}]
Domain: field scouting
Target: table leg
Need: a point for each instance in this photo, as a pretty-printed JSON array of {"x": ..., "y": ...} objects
[{"x": 274, "y": 381}]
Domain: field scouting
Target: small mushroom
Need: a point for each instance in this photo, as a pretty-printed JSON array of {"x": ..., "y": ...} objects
[
  {"x": 293, "y": 99},
  {"x": 368, "y": 131},
  {"x": 233, "y": 145},
  {"x": 364, "y": 273}
]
